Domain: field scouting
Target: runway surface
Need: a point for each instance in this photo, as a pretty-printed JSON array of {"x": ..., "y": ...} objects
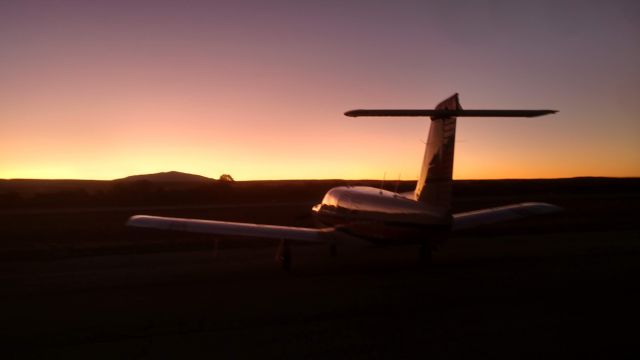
[{"x": 532, "y": 296}]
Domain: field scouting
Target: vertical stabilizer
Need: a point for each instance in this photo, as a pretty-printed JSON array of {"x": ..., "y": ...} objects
[{"x": 435, "y": 182}]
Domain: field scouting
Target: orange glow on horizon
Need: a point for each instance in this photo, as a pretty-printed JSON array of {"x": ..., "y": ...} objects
[{"x": 258, "y": 92}]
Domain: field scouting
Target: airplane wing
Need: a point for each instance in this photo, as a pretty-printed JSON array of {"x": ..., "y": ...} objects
[
  {"x": 230, "y": 228},
  {"x": 475, "y": 218}
]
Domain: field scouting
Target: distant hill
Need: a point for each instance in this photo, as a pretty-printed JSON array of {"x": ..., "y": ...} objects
[{"x": 170, "y": 176}]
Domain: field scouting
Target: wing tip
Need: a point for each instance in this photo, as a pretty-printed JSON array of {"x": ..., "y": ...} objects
[
  {"x": 138, "y": 220},
  {"x": 541, "y": 208}
]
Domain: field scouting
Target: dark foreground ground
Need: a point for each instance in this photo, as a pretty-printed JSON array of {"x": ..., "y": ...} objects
[{"x": 560, "y": 286}]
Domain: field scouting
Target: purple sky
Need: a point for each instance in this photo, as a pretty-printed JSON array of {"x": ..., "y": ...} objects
[{"x": 104, "y": 89}]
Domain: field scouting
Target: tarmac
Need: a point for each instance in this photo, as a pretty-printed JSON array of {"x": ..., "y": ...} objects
[{"x": 519, "y": 296}]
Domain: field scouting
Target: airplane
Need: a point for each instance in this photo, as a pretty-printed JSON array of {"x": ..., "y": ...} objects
[{"x": 379, "y": 216}]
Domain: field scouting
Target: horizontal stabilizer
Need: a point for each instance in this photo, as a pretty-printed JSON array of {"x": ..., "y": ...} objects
[
  {"x": 230, "y": 228},
  {"x": 444, "y": 113},
  {"x": 475, "y": 218}
]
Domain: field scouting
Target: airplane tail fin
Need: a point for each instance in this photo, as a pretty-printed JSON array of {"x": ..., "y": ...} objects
[{"x": 435, "y": 182}]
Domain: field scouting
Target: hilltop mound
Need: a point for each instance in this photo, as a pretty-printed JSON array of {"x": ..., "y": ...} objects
[{"x": 170, "y": 176}]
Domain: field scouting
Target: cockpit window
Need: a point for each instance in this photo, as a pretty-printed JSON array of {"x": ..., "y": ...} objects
[{"x": 330, "y": 199}]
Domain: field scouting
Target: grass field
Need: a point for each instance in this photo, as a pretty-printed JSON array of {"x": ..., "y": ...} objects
[{"x": 78, "y": 284}]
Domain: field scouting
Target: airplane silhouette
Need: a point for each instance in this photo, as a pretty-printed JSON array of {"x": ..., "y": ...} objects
[{"x": 421, "y": 217}]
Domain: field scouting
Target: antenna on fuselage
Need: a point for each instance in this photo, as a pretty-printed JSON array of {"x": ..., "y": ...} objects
[{"x": 382, "y": 183}]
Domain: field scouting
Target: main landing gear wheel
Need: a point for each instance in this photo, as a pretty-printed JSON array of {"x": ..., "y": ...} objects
[
  {"x": 333, "y": 250},
  {"x": 425, "y": 256},
  {"x": 284, "y": 255}
]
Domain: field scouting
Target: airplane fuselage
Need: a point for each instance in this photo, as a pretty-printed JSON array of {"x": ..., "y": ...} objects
[{"x": 379, "y": 215}]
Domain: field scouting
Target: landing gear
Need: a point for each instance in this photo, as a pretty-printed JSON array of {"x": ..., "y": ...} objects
[
  {"x": 333, "y": 250},
  {"x": 216, "y": 247},
  {"x": 283, "y": 256},
  {"x": 425, "y": 256}
]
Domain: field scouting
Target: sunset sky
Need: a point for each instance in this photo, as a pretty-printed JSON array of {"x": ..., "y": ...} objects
[{"x": 257, "y": 89}]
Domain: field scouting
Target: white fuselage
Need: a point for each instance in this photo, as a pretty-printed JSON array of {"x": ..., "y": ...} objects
[{"x": 379, "y": 215}]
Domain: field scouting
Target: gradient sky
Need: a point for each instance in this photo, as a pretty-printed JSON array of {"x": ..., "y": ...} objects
[{"x": 257, "y": 89}]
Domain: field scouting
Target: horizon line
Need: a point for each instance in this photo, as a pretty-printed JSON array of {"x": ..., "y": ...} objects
[{"x": 333, "y": 179}]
